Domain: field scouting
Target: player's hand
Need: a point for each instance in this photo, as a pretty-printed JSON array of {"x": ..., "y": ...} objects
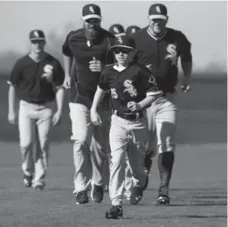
[
  {"x": 134, "y": 106},
  {"x": 56, "y": 119},
  {"x": 95, "y": 65},
  {"x": 95, "y": 118},
  {"x": 67, "y": 82},
  {"x": 12, "y": 118}
]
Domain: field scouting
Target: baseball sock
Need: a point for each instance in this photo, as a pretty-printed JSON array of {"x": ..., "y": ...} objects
[{"x": 165, "y": 166}]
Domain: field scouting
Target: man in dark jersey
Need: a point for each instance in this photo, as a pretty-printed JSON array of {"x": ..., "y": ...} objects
[
  {"x": 133, "y": 88},
  {"x": 88, "y": 48},
  {"x": 36, "y": 80},
  {"x": 161, "y": 47}
]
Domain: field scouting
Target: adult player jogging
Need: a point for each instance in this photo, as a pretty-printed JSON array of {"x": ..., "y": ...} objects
[
  {"x": 36, "y": 80},
  {"x": 162, "y": 47},
  {"x": 133, "y": 89},
  {"x": 88, "y": 48}
]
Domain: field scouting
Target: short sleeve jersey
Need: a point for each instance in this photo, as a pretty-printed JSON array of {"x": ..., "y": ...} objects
[
  {"x": 84, "y": 80},
  {"x": 158, "y": 54},
  {"x": 131, "y": 84},
  {"x": 28, "y": 78}
]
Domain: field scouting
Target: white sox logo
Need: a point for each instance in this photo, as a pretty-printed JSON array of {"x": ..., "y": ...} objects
[
  {"x": 129, "y": 88},
  {"x": 91, "y": 9},
  {"x": 120, "y": 39},
  {"x": 172, "y": 54},
  {"x": 116, "y": 30},
  {"x": 48, "y": 72},
  {"x": 158, "y": 9},
  {"x": 36, "y": 34},
  {"x": 114, "y": 93},
  {"x": 152, "y": 81}
]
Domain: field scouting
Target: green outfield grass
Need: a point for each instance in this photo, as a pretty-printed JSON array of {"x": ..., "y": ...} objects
[{"x": 198, "y": 193}]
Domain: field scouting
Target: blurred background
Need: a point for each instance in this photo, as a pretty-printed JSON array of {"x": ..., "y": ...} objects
[{"x": 202, "y": 112}]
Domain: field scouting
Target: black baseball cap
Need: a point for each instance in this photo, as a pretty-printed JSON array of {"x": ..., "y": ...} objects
[
  {"x": 123, "y": 42},
  {"x": 117, "y": 29},
  {"x": 36, "y": 35},
  {"x": 158, "y": 11},
  {"x": 132, "y": 29},
  {"x": 90, "y": 11}
]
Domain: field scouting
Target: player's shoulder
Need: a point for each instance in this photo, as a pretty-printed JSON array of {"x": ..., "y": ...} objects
[
  {"x": 140, "y": 33},
  {"x": 20, "y": 62},
  {"x": 76, "y": 33},
  {"x": 106, "y": 33},
  {"x": 177, "y": 33},
  {"x": 51, "y": 58}
]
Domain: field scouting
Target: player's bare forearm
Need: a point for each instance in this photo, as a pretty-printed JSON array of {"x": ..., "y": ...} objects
[
  {"x": 145, "y": 103},
  {"x": 11, "y": 99},
  {"x": 97, "y": 98},
  {"x": 59, "y": 96},
  {"x": 187, "y": 70},
  {"x": 67, "y": 62}
]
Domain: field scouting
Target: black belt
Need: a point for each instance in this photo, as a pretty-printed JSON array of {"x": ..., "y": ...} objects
[{"x": 129, "y": 116}]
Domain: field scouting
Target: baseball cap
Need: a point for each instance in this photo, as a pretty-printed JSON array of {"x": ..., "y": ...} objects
[
  {"x": 36, "y": 35},
  {"x": 132, "y": 29},
  {"x": 158, "y": 11},
  {"x": 117, "y": 30},
  {"x": 122, "y": 42},
  {"x": 90, "y": 11}
]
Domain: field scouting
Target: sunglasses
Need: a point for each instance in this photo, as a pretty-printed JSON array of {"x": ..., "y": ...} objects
[
  {"x": 122, "y": 50},
  {"x": 37, "y": 41},
  {"x": 93, "y": 21}
]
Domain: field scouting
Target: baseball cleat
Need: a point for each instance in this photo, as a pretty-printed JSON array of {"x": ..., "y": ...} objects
[
  {"x": 136, "y": 196},
  {"x": 82, "y": 197},
  {"x": 162, "y": 200},
  {"x": 27, "y": 181},
  {"x": 97, "y": 193},
  {"x": 115, "y": 212}
]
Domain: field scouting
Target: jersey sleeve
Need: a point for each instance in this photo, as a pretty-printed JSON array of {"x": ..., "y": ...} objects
[
  {"x": 58, "y": 74},
  {"x": 103, "y": 83},
  {"x": 66, "y": 48},
  {"x": 184, "y": 47},
  {"x": 15, "y": 75},
  {"x": 150, "y": 83}
]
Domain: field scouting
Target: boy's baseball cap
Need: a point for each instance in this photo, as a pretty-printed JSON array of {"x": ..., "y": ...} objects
[
  {"x": 36, "y": 35},
  {"x": 158, "y": 11},
  {"x": 90, "y": 11},
  {"x": 117, "y": 30},
  {"x": 122, "y": 42},
  {"x": 132, "y": 29}
]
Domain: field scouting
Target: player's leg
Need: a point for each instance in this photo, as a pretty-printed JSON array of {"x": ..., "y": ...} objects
[
  {"x": 136, "y": 154},
  {"x": 128, "y": 180},
  {"x": 166, "y": 129},
  {"x": 81, "y": 135},
  {"x": 99, "y": 146},
  {"x": 118, "y": 145},
  {"x": 43, "y": 124},
  {"x": 26, "y": 126}
]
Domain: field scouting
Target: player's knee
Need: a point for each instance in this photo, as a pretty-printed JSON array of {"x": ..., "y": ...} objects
[{"x": 25, "y": 147}]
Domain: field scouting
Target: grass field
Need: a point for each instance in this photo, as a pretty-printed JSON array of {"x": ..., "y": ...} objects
[
  {"x": 198, "y": 193},
  {"x": 198, "y": 187}
]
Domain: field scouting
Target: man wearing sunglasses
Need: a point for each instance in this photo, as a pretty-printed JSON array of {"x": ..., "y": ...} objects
[
  {"x": 161, "y": 48},
  {"x": 88, "y": 49},
  {"x": 36, "y": 79}
]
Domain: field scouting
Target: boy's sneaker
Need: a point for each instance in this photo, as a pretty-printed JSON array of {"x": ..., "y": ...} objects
[
  {"x": 115, "y": 212},
  {"x": 82, "y": 197}
]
